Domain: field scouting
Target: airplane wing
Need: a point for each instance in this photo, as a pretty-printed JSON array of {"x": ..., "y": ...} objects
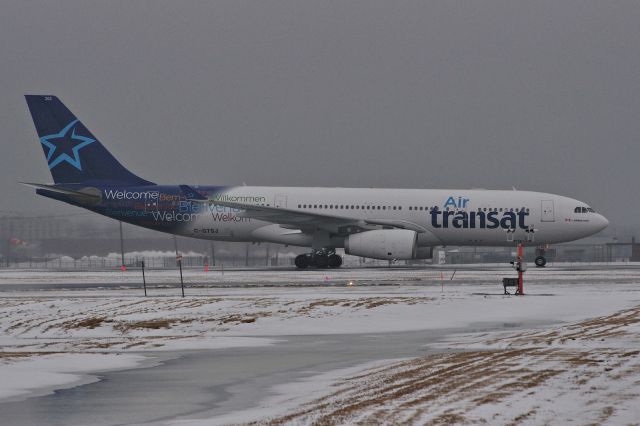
[{"x": 309, "y": 221}]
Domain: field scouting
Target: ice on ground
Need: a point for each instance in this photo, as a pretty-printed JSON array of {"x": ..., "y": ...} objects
[{"x": 22, "y": 373}]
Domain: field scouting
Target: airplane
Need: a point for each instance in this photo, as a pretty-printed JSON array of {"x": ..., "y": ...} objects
[{"x": 379, "y": 223}]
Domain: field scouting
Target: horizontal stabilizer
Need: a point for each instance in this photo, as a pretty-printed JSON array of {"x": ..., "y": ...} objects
[{"x": 78, "y": 195}]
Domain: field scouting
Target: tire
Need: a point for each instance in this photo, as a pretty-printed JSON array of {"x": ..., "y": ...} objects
[
  {"x": 301, "y": 261},
  {"x": 540, "y": 261},
  {"x": 321, "y": 260},
  {"x": 335, "y": 261}
]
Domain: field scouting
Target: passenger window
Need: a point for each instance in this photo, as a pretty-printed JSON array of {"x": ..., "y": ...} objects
[{"x": 384, "y": 207}]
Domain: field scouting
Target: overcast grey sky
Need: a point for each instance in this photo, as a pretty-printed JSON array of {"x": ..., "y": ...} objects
[{"x": 541, "y": 95}]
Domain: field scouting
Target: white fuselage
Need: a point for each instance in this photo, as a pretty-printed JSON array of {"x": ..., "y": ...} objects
[{"x": 463, "y": 217}]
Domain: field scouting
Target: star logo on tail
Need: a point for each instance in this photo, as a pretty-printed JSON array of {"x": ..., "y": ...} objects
[{"x": 65, "y": 146}]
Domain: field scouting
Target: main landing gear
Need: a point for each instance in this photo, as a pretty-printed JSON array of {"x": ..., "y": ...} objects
[{"x": 319, "y": 259}]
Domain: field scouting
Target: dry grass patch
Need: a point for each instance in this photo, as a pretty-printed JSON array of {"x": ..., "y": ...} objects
[
  {"x": 155, "y": 324},
  {"x": 90, "y": 322},
  {"x": 243, "y": 318}
]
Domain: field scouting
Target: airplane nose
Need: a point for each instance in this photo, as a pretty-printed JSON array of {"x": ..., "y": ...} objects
[{"x": 603, "y": 222}]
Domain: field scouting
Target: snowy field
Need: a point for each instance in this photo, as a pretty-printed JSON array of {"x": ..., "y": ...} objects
[{"x": 570, "y": 351}]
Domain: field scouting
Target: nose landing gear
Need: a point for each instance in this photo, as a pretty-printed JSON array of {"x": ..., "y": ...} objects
[
  {"x": 540, "y": 261},
  {"x": 319, "y": 259},
  {"x": 541, "y": 256}
]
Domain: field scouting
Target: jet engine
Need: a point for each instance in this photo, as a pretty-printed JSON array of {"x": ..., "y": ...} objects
[{"x": 390, "y": 244}]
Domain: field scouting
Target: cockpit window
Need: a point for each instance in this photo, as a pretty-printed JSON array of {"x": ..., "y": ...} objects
[{"x": 582, "y": 209}]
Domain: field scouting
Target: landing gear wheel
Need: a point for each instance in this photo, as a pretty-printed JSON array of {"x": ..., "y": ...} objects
[
  {"x": 335, "y": 261},
  {"x": 540, "y": 261},
  {"x": 301, "y": 261},
  {"x": 321, "y": 260}
]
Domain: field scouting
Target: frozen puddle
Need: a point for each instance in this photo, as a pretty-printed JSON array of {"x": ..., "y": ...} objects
[{"x": 204, "y": 384}]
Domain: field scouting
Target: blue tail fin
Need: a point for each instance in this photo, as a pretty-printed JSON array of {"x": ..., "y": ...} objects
[{"x": 73, "y": 154}]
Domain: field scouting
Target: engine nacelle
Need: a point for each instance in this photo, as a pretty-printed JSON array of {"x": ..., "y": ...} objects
[{"x": 389, "y": 244}]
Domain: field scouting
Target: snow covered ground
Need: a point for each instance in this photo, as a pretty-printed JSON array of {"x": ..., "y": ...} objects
[
  {"x": 574, "y": 354},
  {"x": 584, "y": 373}
]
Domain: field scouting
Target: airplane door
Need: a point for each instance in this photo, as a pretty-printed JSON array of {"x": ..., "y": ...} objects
[
  {"x": 280, "y": 201},
  {"x": 547, "y": 214}
]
